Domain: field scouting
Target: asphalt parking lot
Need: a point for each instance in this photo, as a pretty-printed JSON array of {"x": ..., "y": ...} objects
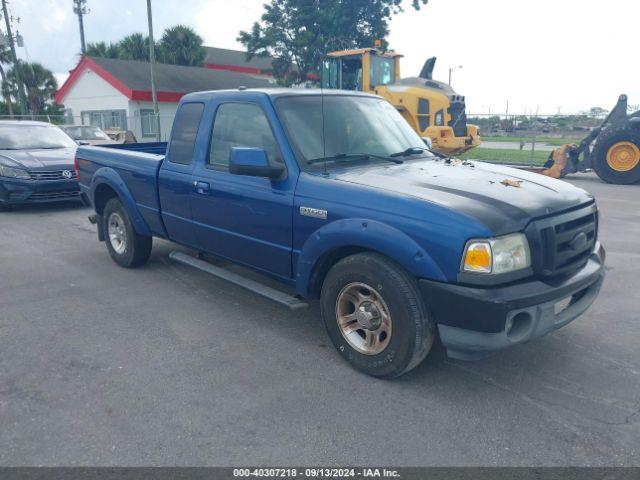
[{"x": 167, "y": 366}]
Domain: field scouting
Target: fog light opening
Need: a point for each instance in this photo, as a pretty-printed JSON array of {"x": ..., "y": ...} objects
[{"x": 518, "y": 325}]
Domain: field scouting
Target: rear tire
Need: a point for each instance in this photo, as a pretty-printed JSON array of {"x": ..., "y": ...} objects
[
  {"x": 128, "y": 248},
  {"x": 616, "y": 156},
  {"x": 375, "y": 316}
]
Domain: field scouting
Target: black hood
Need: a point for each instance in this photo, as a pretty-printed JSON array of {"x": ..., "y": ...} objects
[{"x": 476, "y": 189}]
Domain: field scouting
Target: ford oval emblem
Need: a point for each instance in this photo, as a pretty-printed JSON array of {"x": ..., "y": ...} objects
[
  {"x": 578, "y": 242},
  {"x": 67, "y": 174}
]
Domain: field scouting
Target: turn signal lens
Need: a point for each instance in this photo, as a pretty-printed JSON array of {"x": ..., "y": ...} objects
[{"x": 478, "y": 258}]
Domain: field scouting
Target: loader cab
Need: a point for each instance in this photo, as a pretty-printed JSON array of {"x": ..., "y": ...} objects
[{"x": 362, "y": 70}]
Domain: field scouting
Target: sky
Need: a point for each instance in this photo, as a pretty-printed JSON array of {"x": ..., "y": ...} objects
[{"x": 550, "y": 56}]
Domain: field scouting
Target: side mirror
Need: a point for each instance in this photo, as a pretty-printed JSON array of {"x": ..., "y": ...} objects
[
  {"x": 252, "y": 162},
  {"x": 427, "y": 141},
  {"x": 83, "y": 142}
]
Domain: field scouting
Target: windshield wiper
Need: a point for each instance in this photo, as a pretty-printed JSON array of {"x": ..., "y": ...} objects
[
  {"x": 347, "y": 156},
  {"x": 409, "y": 151}
]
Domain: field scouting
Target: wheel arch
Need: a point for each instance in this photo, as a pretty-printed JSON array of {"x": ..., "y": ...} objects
[
  {"x": 342, "y": 238},
  {"x": 107, "y": 184}
]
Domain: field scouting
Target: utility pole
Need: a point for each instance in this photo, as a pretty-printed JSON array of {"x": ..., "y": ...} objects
[
  {"x": 506, "y": 115},
  {"x": 16, "y": 66},
  {"x": 152, "y": 61},
  {"x": 451, "y": 69},
  {"x": 80, "y": 9}
]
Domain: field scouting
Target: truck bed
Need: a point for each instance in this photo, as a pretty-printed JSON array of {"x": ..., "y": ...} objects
[
  {"x": 158, "y": 148},
  {"x": 134, "y": 166}
]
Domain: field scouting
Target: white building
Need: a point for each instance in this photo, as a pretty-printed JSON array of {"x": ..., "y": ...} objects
[{"x": 116, "y": 94}]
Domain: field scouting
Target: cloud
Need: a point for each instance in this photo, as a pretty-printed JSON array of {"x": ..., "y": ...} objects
[{"x": 568, "y": 55}]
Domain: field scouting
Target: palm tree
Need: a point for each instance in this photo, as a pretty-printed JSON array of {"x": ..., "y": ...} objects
[
  {"x": 180, "y": 45},
  {"x": 134, "y": 47},
  {"x": 103, "y": 49},
  {"x": 38, "y": 84},
  {"x": 5, "y": 58}
]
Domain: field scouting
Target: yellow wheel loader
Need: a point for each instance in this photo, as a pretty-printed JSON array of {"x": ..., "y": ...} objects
[
  {"x": 432, "y": 108},
  {"x": 612, "y": 149}
]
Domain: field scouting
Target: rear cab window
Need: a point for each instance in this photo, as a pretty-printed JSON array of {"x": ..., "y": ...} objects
[{"x": 185, "y": 130}]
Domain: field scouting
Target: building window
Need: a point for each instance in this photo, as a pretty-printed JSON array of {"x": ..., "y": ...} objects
[
  {"x": 148, "y": 122},
  {"x": 105, "y": 119}
]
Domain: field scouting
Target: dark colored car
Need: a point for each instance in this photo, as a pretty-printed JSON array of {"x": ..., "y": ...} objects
[{"x": 36, "y": 164}]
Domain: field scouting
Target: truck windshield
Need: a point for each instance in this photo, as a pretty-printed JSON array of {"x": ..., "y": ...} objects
[
  {"x": 356, "y": 129},
  {"x": 33, "y": 137}
]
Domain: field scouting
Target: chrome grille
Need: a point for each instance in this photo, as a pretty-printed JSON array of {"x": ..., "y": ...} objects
[{"x": 44, "y": 175}]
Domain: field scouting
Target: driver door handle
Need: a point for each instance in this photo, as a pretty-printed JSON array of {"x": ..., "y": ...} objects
[{"x": 201, "y": 187}]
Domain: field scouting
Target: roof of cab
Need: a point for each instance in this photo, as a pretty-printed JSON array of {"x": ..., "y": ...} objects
[{"x": 275, "y": 93}]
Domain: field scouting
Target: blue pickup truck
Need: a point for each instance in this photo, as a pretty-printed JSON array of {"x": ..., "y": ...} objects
[{"x": 335, "y": 196}]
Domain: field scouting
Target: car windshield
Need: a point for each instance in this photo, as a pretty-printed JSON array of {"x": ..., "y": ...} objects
[
  {"x": 356, "y": 129},
  {"x": 33, "y": 137},
  {"x": 86, "y": 133}
]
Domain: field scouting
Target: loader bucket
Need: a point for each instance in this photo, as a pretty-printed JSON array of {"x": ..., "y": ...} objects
[{"x": 557, "y": 163}]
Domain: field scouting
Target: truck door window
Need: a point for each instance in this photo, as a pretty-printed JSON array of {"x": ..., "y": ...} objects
[
  {"x": 183, "y": 136},
  {"x": 241, "y": 125}
]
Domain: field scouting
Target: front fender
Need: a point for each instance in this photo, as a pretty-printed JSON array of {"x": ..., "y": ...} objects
[
  {"x": 109, "y": 176},
  {"x": 366, "y": 234}
]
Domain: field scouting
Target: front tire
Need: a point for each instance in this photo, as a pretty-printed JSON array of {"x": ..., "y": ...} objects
[
  {"x": 375, "y": 316},
  {"x": 128, "y": 248}
]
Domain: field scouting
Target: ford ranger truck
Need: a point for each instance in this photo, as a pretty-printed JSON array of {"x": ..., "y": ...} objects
[{"x": 334, "y": 195}]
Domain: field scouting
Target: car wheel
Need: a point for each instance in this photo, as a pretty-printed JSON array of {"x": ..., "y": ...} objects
[
  {"x": 128, "y": 248},
  {"x": 5, "y": 207},
  {"x": 375, "y": 316}
]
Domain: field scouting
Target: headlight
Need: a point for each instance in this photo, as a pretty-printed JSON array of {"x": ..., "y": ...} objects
[
  {"x": 13, "y": 172},
  {"x": 497, "y": 255}
]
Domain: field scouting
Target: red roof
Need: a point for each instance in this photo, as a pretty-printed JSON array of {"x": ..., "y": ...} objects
[{"x": 133, "y": 79}]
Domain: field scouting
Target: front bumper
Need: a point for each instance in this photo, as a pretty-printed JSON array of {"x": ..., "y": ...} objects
[
  {"x": 474, "y": 322},
  {"x": 18, "y": 191}
]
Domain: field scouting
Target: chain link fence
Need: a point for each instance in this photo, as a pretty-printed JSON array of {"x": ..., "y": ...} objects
[
  {"x": 526, "y": 139},
  {"x": 506, "y": 138}
]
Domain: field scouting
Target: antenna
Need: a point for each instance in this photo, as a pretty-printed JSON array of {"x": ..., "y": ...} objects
[{"x": 324, "y": 146}]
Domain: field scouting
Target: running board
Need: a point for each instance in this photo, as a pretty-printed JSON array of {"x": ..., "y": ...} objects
[{"x": 265, "y": 291}]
